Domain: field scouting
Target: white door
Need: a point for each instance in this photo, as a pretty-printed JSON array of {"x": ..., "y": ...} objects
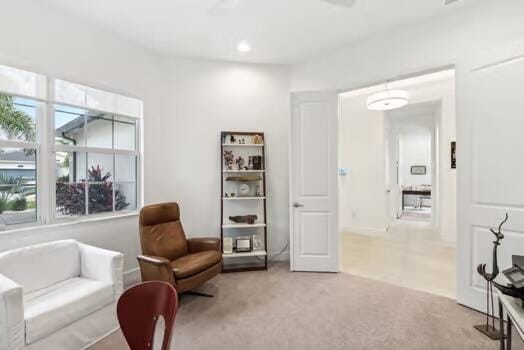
[
  {"x": 490, "y": 165},
  {"x": 314, "y": 182}
]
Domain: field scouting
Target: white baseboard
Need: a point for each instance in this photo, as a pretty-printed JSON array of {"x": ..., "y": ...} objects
[
  {"x": 369, "y": 231},
  {"x": 132, "y": 277}
]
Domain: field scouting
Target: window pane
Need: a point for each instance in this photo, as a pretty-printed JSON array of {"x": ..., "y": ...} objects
[
  {"x": 100, "y": 130},
  {"x": 69, "y": 125},
  {"x": 99, "y": 167},
  {"x": 125, "y": 133},
  {"x": 70, "y": 183},
  {"x": 20, "y": 82},
  {"x": 18, "y": 118},
  {"x": 100, "y": 100},
  {"x": 69, "y": 93},
  {"x": 125, "y": 175},
  {"x": 125, "y": 194},
  {"x": 17, "y": 186},
  {"x": 100, "y": 178},
  {"x": 125, "y": 168}
]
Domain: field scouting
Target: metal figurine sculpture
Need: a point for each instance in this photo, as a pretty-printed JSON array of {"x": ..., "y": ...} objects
[{"x": 488, "y": 329}]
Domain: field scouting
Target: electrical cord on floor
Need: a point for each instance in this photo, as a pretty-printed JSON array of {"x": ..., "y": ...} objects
[{"x": 271, "y": 259}]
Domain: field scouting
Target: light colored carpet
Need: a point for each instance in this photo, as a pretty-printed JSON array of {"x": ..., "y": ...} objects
[{"x": 279, "y": 309}]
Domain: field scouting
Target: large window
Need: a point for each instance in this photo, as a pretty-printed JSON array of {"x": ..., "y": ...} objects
[{"x": 87, "y": 138}]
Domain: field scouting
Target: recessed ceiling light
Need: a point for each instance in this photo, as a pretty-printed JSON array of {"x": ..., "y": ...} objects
[{"x": 243, "y": 47}]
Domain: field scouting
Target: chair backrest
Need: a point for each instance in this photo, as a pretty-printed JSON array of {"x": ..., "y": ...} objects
[
  {"x": 139, "y": 309},
  {"x": 41, "y": 265},
  {"x": 161, "y": 232}
]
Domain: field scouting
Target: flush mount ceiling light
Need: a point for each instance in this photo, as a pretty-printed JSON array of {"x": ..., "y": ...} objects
[
  {"x": 243, "y": 47},
  {"x": 387, "y": 100}
]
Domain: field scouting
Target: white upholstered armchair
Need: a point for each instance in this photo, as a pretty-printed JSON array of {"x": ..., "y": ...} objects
[{"x": 58, "y": 295}]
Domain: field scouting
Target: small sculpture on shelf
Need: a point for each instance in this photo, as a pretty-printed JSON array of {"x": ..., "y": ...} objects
[
  {"x": 232, "y": 139},
  {"x": 257, "y": 140},
  {"x": 243, "y": 189},
  {"x": 244, "y": 178},
  {"x": 244, "y": 219},
  {"x": 228, "y": 159},
  {"x": 241, "y": 163}
]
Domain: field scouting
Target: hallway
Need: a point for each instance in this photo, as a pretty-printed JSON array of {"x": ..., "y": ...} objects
[{"x": 411, "y": 254}]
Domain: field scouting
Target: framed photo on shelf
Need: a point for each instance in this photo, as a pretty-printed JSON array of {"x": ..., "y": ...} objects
[{"x": 258, "y": 242}]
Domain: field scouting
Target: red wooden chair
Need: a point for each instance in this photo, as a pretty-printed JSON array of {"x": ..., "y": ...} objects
[{"x": 138, "y": 311}]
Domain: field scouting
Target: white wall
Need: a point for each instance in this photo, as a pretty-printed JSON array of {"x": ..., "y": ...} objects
[
  {"x": 214, "y": 97},
  {"x": 447, "y": 40},
  {"x": 362, "y": 196},
  {"x": 415, "y": 149},
  {"x": 186, "y": 104}
]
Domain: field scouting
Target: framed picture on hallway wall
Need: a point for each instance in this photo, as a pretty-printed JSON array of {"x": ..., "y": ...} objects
[
  {"x": 418, "y": 170},
  {"x": 453, "y": 154}
]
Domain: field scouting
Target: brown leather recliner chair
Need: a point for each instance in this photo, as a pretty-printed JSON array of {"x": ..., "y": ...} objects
[{"x": 169, "y": 256}]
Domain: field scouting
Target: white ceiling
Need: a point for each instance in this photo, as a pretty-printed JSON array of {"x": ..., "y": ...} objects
[{"x": 279, "y": 31}]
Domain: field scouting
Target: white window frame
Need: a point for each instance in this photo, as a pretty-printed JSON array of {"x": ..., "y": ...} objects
[
  {"x": 37, "y": 145},
  {"x": 46, "y": 162}
]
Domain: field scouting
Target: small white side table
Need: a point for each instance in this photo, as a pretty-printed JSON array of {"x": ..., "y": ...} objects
[{"x": 514, "y": 317}]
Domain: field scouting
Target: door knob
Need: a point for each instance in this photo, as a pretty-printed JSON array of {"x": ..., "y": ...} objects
[{"x": 297, "y": 205}]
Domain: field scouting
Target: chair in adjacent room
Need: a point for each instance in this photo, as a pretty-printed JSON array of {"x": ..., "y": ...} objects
[
  {"x": 139, "y": 310},
  {"x": 169, "y": 256}
]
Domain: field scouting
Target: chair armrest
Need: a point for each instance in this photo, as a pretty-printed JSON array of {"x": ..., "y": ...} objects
[
  {"x": 154, "y": 268},
  {"x": 102, "y": 265},
  {"x": 12, "y": 326},
  {"x": 202, "y": 244}
]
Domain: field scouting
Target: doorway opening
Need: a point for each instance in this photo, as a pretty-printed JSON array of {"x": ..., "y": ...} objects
[{"x": 397, "y": 183}]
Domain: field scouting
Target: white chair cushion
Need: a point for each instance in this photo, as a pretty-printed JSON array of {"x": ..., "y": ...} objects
[
  {"x": 51, "y": 309},
  {"x": 41, "y": 265}
]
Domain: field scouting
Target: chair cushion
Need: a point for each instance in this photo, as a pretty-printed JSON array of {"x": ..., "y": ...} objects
[
  {"x": 42, "y": 265},
  {"x": 166, "y": 240},
  {"x": 51, "y": 309},
  {"x": 194, "y": 263}
]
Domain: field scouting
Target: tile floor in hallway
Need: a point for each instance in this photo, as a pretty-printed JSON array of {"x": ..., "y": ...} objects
[{"x": 410, "y": 254}]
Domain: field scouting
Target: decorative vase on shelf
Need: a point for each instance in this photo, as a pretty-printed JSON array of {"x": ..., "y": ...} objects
[{"x": 243, "y": 189}]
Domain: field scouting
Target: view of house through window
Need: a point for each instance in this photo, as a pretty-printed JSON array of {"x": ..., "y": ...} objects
[
  {"x": 18, "y": 164},
  {"x": 95, "y": 152},
  {"x": 87, "y": 181}
]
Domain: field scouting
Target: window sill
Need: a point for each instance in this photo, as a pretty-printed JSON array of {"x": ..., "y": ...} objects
[{"x": 70, "y": 221}]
